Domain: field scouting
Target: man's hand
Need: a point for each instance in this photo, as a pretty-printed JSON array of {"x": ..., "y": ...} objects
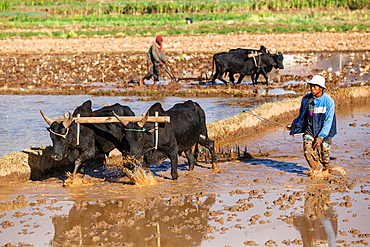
[
  {"x": 318, "y": 142},
  {"x": 288, "y": 127},
  {"x": 161, "y": 63}
]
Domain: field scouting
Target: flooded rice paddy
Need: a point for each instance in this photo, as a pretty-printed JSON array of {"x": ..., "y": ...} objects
[
  {"x": 268, "y": 200},
  {"x": 117, "y": 72},
  {"x": 21, "y": 119}
]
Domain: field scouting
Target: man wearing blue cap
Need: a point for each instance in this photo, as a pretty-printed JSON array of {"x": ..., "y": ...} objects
[{"x": 317, "y": 122}]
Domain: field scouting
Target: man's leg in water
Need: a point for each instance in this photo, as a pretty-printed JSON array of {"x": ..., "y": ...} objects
[
  {"x": 310, "y": 154},
  {"x": 324, "y": 153}
]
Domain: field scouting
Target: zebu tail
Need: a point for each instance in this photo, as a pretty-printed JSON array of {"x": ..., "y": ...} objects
[{"x": 213, "y": 65}]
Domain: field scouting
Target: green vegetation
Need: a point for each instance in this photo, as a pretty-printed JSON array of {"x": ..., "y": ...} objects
[
  {"x": 5, "y": 6},
  {"x": 159, "y": 7},
  {"x": 167, "y": 17}
]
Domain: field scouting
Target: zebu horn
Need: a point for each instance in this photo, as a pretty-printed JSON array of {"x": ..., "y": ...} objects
[
  {"x": 67, "y": 123},
  {"x": 123, "y": 121},
  {"x": 47, "y": 119},
  {"x": 143, "y": 120}
]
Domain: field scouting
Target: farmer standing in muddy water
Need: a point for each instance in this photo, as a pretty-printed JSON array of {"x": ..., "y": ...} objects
[
  {"x": 155, "y": 58},
  {"x": 317, "y": 122}
]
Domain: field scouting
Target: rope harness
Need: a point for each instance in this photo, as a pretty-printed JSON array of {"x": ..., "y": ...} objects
[
  {"x": 142, "y": 130},
  {"x": 64, "y": 136},
  {"x": 271, "y": 123}
]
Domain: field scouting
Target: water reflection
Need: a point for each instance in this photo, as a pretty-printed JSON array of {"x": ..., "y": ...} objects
[
  {"x": 318, "y": 225},
  {"x": 272, "y": 91},
  {"x": 176, "y": 221}
]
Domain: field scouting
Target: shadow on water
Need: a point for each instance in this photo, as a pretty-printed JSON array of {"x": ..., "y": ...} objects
[{"x": 280, "y": 165}]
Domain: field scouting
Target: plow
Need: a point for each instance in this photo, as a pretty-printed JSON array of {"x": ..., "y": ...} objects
[{"x": 200, "y": 78}]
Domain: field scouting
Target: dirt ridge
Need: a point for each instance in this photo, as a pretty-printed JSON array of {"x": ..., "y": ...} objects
[{"x": 284, "y": 42}]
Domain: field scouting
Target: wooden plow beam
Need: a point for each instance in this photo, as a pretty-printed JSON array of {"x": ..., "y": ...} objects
[{"x": 112, "y": 119}]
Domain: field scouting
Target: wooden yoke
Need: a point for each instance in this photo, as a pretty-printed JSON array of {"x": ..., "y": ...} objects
[
  {"x": 98, "y": 120},
  {"x": 254, "y": 55}
]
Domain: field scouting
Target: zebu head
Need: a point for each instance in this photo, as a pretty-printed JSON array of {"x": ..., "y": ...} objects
[
  {"x": 267, "y": 59},
  {"x": 135, "y": 134},
  {"x": 60, "y": 135},
  {"x": 279, "y": 60}
]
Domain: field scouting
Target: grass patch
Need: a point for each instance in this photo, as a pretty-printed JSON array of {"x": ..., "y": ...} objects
[
  {"x": 205, "y": 30},
  {"x": 152, "y": 17}
]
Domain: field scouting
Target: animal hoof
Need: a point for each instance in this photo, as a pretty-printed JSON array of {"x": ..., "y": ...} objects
[{"x": 215, "y": 167}]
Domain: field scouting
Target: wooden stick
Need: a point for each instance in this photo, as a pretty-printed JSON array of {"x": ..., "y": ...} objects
[
  {"x": 156, "y": 131},
  {"x": 98, "y": 120},
  {"x": 158, "y": 236},
  {"x": 78, "y": 131},
  {"x": 254, "y": 54}
]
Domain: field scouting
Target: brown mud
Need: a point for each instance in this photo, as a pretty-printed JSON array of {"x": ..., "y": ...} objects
[
  {"x": 267, "y": 200},
  {"x": 113, "y": 66},
  {"x": 261, "y": 195}
]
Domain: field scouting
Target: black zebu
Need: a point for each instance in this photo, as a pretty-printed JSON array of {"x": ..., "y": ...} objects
[
  {"x": 235, "y": 62},
  {"x": 94, "y": 138},
  {"x": 187, "y": 127},
  {"x": 278, "y": 58}
]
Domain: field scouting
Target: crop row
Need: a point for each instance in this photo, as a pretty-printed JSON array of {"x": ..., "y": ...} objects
[
  {"x": 174, "y": 20},
  {"x": 159, "y": 7},
  {"x": 200, "y": 30}
]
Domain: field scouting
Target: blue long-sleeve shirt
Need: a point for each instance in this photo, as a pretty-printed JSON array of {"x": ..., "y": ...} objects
[{"x": 324, "y": 120}]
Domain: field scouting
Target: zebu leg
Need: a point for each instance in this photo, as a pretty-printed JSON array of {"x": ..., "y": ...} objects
[
  {"x": 191, "y": 159},
  {"x": 265, "y": 75},
  {"x": 241, "y": 77},
  {"x": 84, "y": 157},
  {"x": 174, "y": 163},
  {"x": 210, "y": 145}
]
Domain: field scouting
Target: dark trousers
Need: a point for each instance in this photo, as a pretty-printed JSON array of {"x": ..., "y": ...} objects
[{"x": 152, "y": 71}]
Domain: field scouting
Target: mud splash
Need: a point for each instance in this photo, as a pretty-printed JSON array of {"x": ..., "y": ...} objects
[
  {"x": 79, "y": 180},
  {"x": 137, "y": 174},
  {"x": 327, "y": 173}
]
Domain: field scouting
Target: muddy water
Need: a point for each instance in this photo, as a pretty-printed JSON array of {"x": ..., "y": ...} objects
[
  {"x": 20, "y": 118},
  {"x": 267, "y": 200}
]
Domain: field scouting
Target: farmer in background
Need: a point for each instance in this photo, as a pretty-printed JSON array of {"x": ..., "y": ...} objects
[
  {"x": 188, "y": 20},
  {"x": 317, "y": 122},
  {"x": 155, "y": 58}
]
